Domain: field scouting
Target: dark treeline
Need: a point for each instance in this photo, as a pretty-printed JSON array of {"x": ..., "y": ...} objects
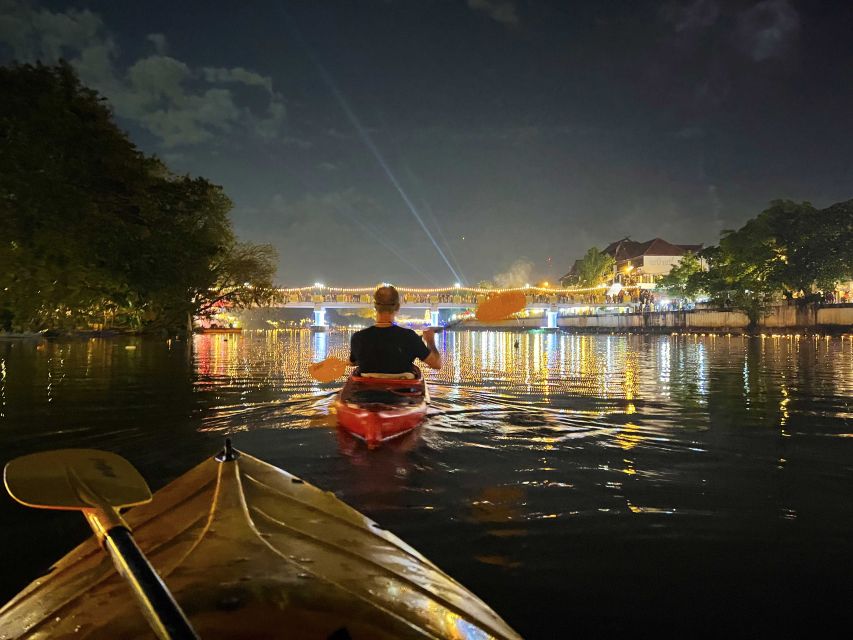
[
  {"x": 93, "y": 233},
  {"x": 789, "y": 251}
]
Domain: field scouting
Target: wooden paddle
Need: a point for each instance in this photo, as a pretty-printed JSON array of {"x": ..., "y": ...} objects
[
  {"x": 99, "y": 483},
  {"x": 496, "y": 307},
  {"x": 329, "y": 369}
]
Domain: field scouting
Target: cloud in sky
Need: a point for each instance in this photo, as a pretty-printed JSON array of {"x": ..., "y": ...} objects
[
  {"x": 762, "y": 30},
  {"x": 178, "y": 104},
  {"x": 159, "y": 42},
  {"x": 503, "y": 11},
  {"x": 768, "y": 29},
  {"x": 698, "y": 14}
]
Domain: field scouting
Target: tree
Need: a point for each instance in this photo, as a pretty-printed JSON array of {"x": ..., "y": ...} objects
[
  {"x": 95, "y": 233},
  {"x": 69, "y": 186},
  {"x": 680, "y": 281},
  {"x": 818, "y": 245},
  {"x": 207, "y": 265},
  {"x": 594, "y": 268},
  {"x": 789, "y": 249},
  {"x": 241, "y": 277},
  {"x": 733, "y": 282}
]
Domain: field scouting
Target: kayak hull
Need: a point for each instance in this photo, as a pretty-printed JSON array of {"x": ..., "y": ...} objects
[
  {"x": 251, "y": 552},
  {"x": 379, "y": 409}
]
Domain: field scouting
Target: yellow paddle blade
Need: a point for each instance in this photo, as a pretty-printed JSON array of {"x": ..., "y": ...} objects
[
  {"x": 500, "y": 306},
  {"x": 328, "y": 370},
  {"x": 75, "y": 479}
]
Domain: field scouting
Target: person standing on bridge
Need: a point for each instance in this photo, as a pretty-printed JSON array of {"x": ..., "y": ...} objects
[{"x": 387, "y": 349}]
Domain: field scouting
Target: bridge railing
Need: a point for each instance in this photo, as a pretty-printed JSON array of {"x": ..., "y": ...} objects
[{"x": 462, "y": 296}]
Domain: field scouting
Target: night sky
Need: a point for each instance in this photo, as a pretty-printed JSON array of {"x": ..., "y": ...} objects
[{"x": 515, "y": 131}]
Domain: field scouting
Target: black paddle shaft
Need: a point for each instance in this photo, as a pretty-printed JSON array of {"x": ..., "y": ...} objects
[{"x": 156, "y": 600}]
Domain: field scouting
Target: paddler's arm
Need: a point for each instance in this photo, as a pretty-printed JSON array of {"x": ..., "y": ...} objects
[{"x": 433, "y": 360}]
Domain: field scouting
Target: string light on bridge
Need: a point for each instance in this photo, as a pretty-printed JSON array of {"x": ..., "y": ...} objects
[{"x": 457, "y": 288}]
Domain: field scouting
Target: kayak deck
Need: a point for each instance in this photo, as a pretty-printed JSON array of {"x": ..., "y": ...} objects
[
  {"x": 250, "y": 551},
  {"x": 379, "y": 409}
]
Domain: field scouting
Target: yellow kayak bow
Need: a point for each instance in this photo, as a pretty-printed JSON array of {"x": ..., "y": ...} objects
[{"x": 250, "y": 551}]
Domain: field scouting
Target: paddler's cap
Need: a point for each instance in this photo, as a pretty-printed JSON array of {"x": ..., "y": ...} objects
[{"x": 386, "y": 299}]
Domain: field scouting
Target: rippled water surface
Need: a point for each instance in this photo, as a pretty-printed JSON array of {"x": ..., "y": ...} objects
[{"x": 579, "y": 484}]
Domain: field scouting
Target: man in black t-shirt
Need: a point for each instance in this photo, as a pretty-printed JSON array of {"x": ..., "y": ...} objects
[{"x": 387, "y": 348}]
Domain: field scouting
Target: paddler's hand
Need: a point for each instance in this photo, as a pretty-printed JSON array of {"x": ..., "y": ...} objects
[{"x": 433, "y": 360}]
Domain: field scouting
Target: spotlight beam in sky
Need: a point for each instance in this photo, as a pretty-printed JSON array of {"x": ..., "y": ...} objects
[
  {"x": 366, "y": 139},
  {"x": 374, "y": 233},
  {"x": 352, "y": 214},
  {"x": 430, "y": 216},
  {"x": 425, "y": 205}
]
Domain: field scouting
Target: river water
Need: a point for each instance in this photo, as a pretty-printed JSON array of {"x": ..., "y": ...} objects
[{"x": 579, "y": 484}]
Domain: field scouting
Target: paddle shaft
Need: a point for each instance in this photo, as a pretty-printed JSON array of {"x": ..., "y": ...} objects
[
  {"x": 157, "y": 603},
  {"x": 449, "y": 325},
  {"x": 98, "y": 484}
]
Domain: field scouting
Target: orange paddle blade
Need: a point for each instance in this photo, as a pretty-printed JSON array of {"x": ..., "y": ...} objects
[
  {"x": 328, "y": 370},
  {"x": 501, "y": 306}
]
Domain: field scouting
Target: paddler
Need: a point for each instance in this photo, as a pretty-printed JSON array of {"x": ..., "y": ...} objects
[{"x": 387, "y": 349}]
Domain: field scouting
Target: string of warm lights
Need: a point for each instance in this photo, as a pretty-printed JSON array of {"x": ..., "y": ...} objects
[{"x": 453, "y": 289}]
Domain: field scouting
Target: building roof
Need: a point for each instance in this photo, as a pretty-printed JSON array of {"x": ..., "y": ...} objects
[{"x": 630, "y": 249}]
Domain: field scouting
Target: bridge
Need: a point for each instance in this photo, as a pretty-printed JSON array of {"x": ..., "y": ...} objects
[{"x": 554, "y": 301}]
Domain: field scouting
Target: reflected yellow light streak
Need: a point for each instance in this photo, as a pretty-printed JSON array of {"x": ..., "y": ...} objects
[
  {"x": 628, "y": 438},
  {"x": 2, "y": 388},
  {"x": 783, "y": 408}
]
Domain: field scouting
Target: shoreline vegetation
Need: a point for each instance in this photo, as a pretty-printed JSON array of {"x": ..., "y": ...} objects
[
  {"x": 791, "y": 252},
  {"x": 94, "y": 234}
]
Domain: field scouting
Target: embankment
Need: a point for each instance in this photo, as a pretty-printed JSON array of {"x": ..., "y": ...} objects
[{"x": 779, "y": 319}]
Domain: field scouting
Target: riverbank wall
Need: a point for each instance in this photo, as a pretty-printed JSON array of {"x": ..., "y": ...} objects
[{"x": 830, "y": 319}]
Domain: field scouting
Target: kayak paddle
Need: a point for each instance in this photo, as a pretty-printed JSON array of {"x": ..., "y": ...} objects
[
  {"x": 99, "y": 483},
  {"x": 500, "y": 306},
  {"x": 329, "y": 369},
  {"x": 496, "y": 307}
]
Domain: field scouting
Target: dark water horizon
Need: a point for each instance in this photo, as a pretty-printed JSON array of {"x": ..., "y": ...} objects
[{"x": 579, "y": 484}]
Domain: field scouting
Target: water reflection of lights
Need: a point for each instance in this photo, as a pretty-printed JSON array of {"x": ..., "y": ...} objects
[
  {"x": 2, "y": 388},
  {"x": 665, "y": 362},
  {"x": 635, "y": 509},
  {"x": 499, "y": 504},
  {"x": 456, "y": 360},
  {"x": 783, "y": 409},
  {"x": 551, "y": 392},
  {"x": 321, "y": 347},
  {"x": 701, "y": 370},
  {"x": 632, "y": 380},
  {"x": 629, "y": 437}
]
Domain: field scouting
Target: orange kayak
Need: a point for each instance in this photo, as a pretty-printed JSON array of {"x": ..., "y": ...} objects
[{"x": 379, "y": 409}]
